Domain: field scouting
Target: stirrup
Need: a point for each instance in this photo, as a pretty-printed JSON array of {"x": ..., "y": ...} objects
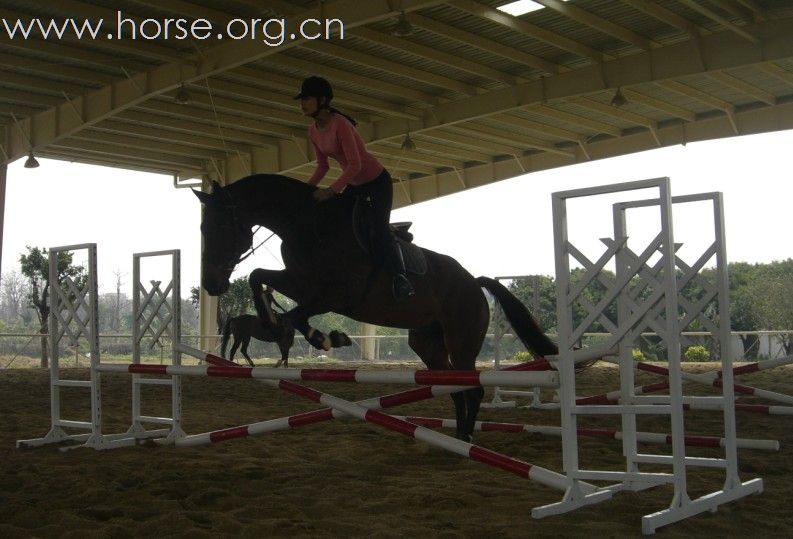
[{"x": 401, "y": 287}]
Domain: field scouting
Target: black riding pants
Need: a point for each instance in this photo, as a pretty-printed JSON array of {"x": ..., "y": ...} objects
[{"x": 379, "y": 193}]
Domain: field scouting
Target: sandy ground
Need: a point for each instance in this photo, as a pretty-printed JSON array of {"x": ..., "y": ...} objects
[{"x": 344, "y": 479}]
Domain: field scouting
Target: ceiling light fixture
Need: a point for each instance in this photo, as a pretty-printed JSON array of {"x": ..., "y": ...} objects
[
  {"x": 402, "y": 28},
  {"x": 31, "y": 161},
  {"x": 408, "y": 144},
  {"x": 619, "y": 99},
  {"x": 182, "y": 96}
]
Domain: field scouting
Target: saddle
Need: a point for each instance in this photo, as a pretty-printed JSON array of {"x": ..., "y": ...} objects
[{"x": 415, "y": 263}]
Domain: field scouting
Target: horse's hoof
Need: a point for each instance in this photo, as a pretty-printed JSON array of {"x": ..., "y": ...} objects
[
  {"x": 319, "y": 340},
  {"x": 339, "y": 339}
]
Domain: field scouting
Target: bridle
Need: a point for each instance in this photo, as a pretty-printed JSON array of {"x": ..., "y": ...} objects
[{"x": 239, "y": 227}]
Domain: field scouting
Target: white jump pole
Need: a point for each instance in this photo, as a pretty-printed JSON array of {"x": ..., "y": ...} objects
[
  {"x": 534, "y": 473},
  {"x": 591, "y": 432}
]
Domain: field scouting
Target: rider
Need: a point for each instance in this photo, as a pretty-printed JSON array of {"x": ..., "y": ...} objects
[{"x": 333, "y": 135}]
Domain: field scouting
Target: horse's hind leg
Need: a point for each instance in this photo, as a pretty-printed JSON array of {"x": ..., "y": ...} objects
[
  {"x": 245, "y": 343},
  {"x": 234, "y": 346},
  {"x": 284, "y": 356},
  {"x": 429, "y": 344},
  {"x": 463, "y": 339},
  {"x": 286, "y": 343}
]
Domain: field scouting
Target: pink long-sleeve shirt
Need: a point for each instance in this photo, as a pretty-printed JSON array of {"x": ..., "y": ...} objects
[{"x": 341, "y": 141}]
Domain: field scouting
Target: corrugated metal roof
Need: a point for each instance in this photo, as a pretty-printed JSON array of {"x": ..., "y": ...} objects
[{"x": 464, "y": 81}]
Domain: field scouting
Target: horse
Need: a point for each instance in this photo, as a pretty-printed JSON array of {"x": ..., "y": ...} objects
[
  {"x": 245, "y": 326},
  {"x": 326, "y": 269}
]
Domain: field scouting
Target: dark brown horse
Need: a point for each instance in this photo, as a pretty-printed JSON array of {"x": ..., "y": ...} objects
[
  {"x": 247, "y": 326},
  {"x": 326, "y": 270}
]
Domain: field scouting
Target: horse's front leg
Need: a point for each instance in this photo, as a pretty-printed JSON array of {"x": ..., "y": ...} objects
[{"x": 284, "y": 282}]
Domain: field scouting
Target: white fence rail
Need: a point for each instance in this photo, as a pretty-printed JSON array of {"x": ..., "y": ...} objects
[{"x": 762, "y": 345}]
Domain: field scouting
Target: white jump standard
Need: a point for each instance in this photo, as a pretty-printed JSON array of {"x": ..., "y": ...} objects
[{"x": 658, "y": 310}]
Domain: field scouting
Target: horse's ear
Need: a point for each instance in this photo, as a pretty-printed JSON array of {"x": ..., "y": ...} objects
[
  {"x": 216, "y": 187},
  {"x": 203, "y": 197}
]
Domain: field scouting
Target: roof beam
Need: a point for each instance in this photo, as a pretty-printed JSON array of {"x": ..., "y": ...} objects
[
  {"x": 336, "y": 74},
  {"x": 99, "y": 148},
  {"x": 29, "y": 98},
  {"x": 753, "y": 120},
  {"x": 344, "y": 97},
  {"x": 607, "y": 27},
  {"x": 61, "y": 121},
  {"x": 76, "y": 156},
  {"x": 169, "y": 126},
  {"x": 440, "y": 57},
  {"x": 45, "y": 68},
  {"x": 412, "y": 156},
  {"x": 575, "y": 119},
  {"x": 616, "y": 112},
  {"x": 743, "y": 86},
  {"x": 531, "y": 30},
  {"x": 712, "y": 15},
  {"x": 114, "y": 138},
  {"x": 737, "y": 9},
  {"x": 212, "y": 119},
  {"x": 758, "y": 11},
  {"x": 425, "y": 77},
  {"x": 447, "y": 150},
  {"x": 779, "y": 72},
  {"x": 503, "y": 148},
  {"x": 507, "y": 137},
  {"x": 187, "y": 140},
  {"x": 713, "y": 52},
  {"x": 702, "y": 97},
  {"x": 49, "y": 85},
  {"x": 658, "y": 104},
  {"x": 451, "y": 32},
  {"x": 669, "y": 17},
  {"x": 538, "y": 127}
]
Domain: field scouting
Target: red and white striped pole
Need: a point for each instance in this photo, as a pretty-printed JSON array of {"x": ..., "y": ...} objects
[
  {"x": 714, "y": 379},
  {"x": 523, "y": 469},
  {"x": 420, "y": 377},
  {"x": 644, "y": 437},
  {"x": 326, "y": 414}
]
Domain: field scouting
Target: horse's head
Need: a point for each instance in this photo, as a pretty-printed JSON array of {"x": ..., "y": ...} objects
[{"x": 227, "y": 236}]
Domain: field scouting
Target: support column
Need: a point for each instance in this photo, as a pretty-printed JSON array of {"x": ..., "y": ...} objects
[
  {"x": 207, "y": 305},
  {"x": 369, "y": 342},
  {"x": 3, "y": 170}
]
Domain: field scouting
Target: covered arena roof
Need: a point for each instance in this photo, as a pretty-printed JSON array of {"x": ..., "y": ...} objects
[{"x": 483, "y": 95}]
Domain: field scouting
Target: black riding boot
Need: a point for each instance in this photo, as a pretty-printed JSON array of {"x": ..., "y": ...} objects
[{"x": 400, "y": 287}]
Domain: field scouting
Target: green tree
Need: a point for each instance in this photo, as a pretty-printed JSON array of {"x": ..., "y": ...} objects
[
  {"x": 237, "y": 300},
  {"x": 36, "y": 268},
  {"x": 771, "y": 290},
  {"x": 538, "y": 293}
]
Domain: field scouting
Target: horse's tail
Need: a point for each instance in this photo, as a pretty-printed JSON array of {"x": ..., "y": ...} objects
[
  {"x": 225, "y": 340},
  {"x": 519, "y": 317}
]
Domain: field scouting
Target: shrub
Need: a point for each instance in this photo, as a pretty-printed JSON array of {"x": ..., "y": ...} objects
[
  {"x": 697, "y": 353},
  {"x": 638, "y": 355},
  {"x": 522, "y": 357}
]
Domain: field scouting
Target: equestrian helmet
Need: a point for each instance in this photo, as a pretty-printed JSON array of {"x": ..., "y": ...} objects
[{"x": 315, "y": 87}]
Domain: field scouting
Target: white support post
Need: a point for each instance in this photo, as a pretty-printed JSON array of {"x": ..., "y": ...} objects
[
  {"x": 3, "y": 177},
  {"x": 369, "y": 341},
  {"x": 635, "y": 313},
  {"x": 75, "y": 313},
  {"x": 156, "y": 313}
]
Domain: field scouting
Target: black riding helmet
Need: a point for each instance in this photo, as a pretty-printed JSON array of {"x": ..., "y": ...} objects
[{"x": 315, "y": 87}]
